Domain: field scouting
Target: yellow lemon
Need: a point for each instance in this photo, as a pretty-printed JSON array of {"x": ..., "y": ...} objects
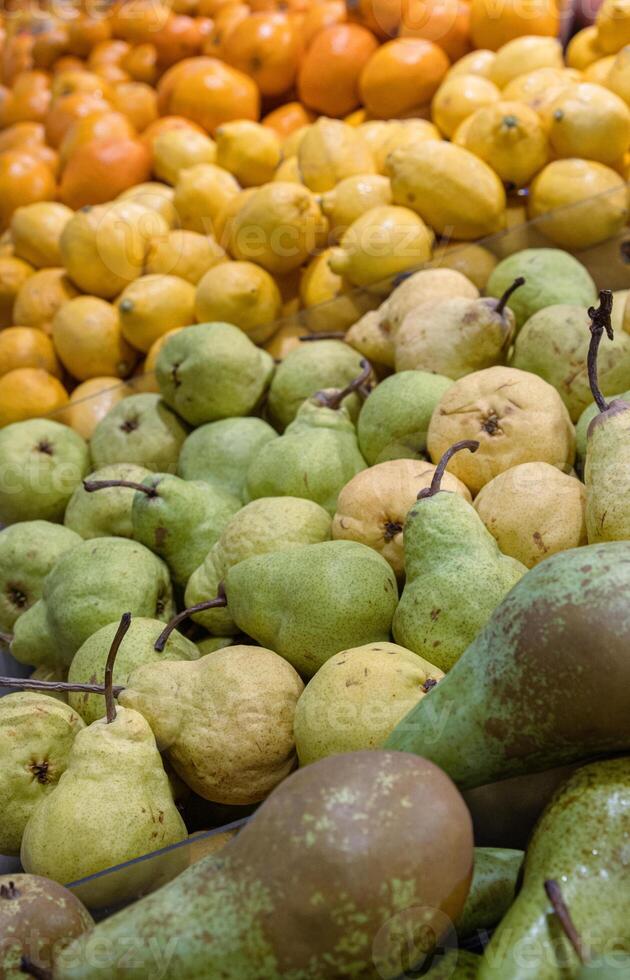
[
  {"x": 473, "y": 261},
  {"x": 284, "y": 340},
  {"x": 618, "y": 80},
  {"x": 351, "y": 198},
  {"x": 525, "y": 54},
  {"x": 458, "y": 97},
  {"x": 588, "y": 121},
  {"x": 91, "y": 401},
  {"x": 240, "y": 293},
  {"x": 176, "y": 149},
  {"x": 329, "y": 151},
  {"x": 401, "y": 133},
  {"x": 36, "y": 231},
  {"x": 152, "y": 305},
  {"x": 155, "y": 197},
  {"x": 27, "y": 393},
  {"x": 455, "y": 192},
  {"x": 583, "y": 49},
  {"x": 330, "y": 302},
  {"x": 537, "y": 88},
  {"x": 289, "y": 170},
  {"x": 374, "y": 132},
  {"x": 291, "y": 143},
  {"x": 249, "y": 151},
  {"x": 88, "y": 339},
  {"x": 380, "y": 244},
  {"x": 224, "y": 219},
  {"x": 13, "y": 274},
  {"x": 200, "y": 193},
  {"x": 478, "y": 62},
  {"x": 355, "y": 118},
  {"x": 27, "y": 347},
  {"x": 510, "y": 138},
  {"x": 186, "y": 254},
  {"x": 598, "y": 197},
  {"x": 613, "y": 25},
  {"x": 144, "y": 379},
  {"x": 598, "y": 72},
  {"x": 40, "y": 296}
]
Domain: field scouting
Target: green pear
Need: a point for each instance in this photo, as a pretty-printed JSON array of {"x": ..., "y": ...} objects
[
  {"x": 310, "y": 602},
  {"x": 142, "y": 430},
  {"x": 38, "y": 918},
  {"x": 97, "y": 515},
  {"x": 317, "y": 455},
  {"x": 605, "y": 465},
  {"x": 456, "y": 964},
  {"x": 137, "y": 648},
  {"x": 220, "y": 452},
  {"x": 209, "y": 644},
  {"x": 358, "y": 697},
  {"x": 86, "y": 590},
  {"x": 41, "y": 463},
  {"x": 581, "y": 841},
  {"x": 395, "y": 416},
  {"x": 492, "y": 890},
  {"x": 268, "y": 524},
  {"x": 225, "y": 722},
  {"x": 610, "y": 966},
  {"x": 456, "y": 336},
  {"x": 554, "y": 345},
  {"x": 308, "y": 369},
  {"x": 545, "y": 683},
  {"x": 456, "y": 575},
  {"x": 179, "y": 520},
  {"x": 212, "y": 371},
  {"x": 355, "y": 866},
  {"x": 587, "y": 416},
  {"x": 45, "y": 672},
  {"x": 551, "y": 276},
  {"x": 36, "y": 735},
  {"x": 28, "y": 551}
]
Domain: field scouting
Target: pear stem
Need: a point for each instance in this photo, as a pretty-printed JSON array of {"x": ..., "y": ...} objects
[
  {"x": 335, "y": 399},
  {"x": 32, "y": 970},
  {"x": 436, "y": 482},
  {"x": 6, "y": 638},
  {"x": 554, "y": 894},
  {"x": 60, "y": 687},
  {"x": 218, "y": 602},
  {"x": 90, "y": 486},
  {"x": 110, "y": 704},
  {"x": 520, "y": 281},
  {"x": 600, "y": 321}
]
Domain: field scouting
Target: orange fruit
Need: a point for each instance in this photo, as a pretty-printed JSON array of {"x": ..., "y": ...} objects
[
  {"x": 224, "y": 23},
  {"x": 329, "y": 75},
  {"x": 21, "y": 135},
  {"x": 87, "y": 337},
  {"x": 402, "y": 76},
  {"x": 27, "y": 347},
  {"x": 138, "y": 102},
  {"x": 163, "y": 124},
  {"x": 91, "y": 401},
  {"x": 50, "y": 45},
  {"x": 101, "y": 170},
  {"x": 28, "y": 393},
  {"x": 320, "y": 16},
  {"x": 65, "y": 110},
  {"x": 13, "y": 274},
  {"x": 136, "y": 22},
  {"x": 40, "y": 296},
  {"x": 288, "y": 118},
  {"x": 79, "y": 81},
  {"x": 107, "y": 124},
  {"x": 495, "y": 22},
  {"x": 85, "y": 32},
  {"x": 215, "y": 94},
  {"x": 179, "y": 37},
  {"x": 107, "y": 53},
  {"x": 28, "y": 100},
  {"x": 284, "y": 340},
  {"x": 446, "y": 22},
  {"x": 140, "y": 62},
  {"x": 267, "y": 47},
  {"x": 16, "y": 56},
  {"x": 382, "y": 17},
  {"x": 23, "y": 180}
]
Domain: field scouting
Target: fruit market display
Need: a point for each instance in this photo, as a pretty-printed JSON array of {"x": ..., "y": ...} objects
[{"x": 314, "y": 520}]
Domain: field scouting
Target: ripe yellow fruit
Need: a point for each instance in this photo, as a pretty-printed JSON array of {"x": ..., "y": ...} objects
[
  {"x": 598, "y": 72},
  {"x": 583, "y": 49},
  {"x": 224, "y": 219},
  {"x": 27, "y": 347},
  {"x": 87, "y": 336},
  {"x": 39, "y": 298},
  {"x": 613, "y": 25},
  {"x": 401, "y": 133},
  {"x": 525, "y": 54},
  {"x": 598, "y": 196},
  {"x": 249, "y": 151},
  {"x": 455, "y": 192},
  {"x": 588, "y": 121},
  {"x": 240, "y": 293},
  {"x": 185, "y": 254},
  {"x": 200, "y": 193},
  {"x": 152, "y": 305},
  {"x": 284, "y": 340},
  {"x": 477, "y": 62},
  {"x": 510, "y": 138},
  {"x": 473, "y": 261},
  {"x": 618, "y": 80},
  {"x": 144, "y": 379},
  {"x": 176, "y": 149},
  {"x": 380, "y": 244},
  {"x": 289, "y": 170},
  {"x": 13, "y": 274},
  {"x": 330, "y": 302},
  {"x": 155, "y": 197},
  {"x": 329, "y": 151},
  {"x": 458, "y": 97},
  {"x": 27, "y": 393},
  {"x": 36, "y": 231},
  {"x": 351, "y": 198},
  {"x": 91, "y": 401},
  {"x": 539, "y": 87},
  {"x": 292, "y": 142}
]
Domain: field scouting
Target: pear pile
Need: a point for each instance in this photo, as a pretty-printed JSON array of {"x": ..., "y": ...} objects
[{"x": 373, "y": 597}]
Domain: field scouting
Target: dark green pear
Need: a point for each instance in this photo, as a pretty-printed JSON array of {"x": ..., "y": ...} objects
[
  {"x": 492, "y": 890},
  {"x": 221, "y": 452},
  {"x": 546, "y": 682}
]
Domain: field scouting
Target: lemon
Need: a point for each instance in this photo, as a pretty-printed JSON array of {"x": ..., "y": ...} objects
[
  {"x": 152, "y": 305},
  {"x": 374, "y": 132},
  {"x": 291, "y": 143},
  {"x": 588, "y": 121},
  {"x": 525, "y": 54},
  {"x": 224, "y": 218},
  {"x": 200, "y": 194},
  {"x": 618, "y": 80},
  {"x": 380, "y": 244},
  {"x": 613, "y": 25},
  {"x": 240, "y": 293},
  {"x": 329, "y": 151},
  {"x": 284, "y": 340},
  {"x": 87, "y": 336},
  {"x": 36, "y": 230},
  {"x": 156, "y": 197},
  {"x": 176, "y": 149},
  {"x": 403, "y": 133},
  {"x": 91, "y": 401},
  {"x": 598, "y": 197},
  {"x": 598, "y": 72},
  {"x": 330, "y": 302},
  {"x": 249, "y": 151},
  {"x": 351, "y": 198},
  {"x": 185, "y": 254},
  {"x": 583, "y": 49},
  {"x": 478, "y": 62},
  {"x": 473, "y": 261},
  {"x": 539, "y": 87},
  {"x": 458, "y": 97},
  {"x": 289, "y": 170},
  {"x": 510, "y": 138}
]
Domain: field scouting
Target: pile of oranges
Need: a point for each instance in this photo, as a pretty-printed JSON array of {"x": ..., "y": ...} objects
[{"x": 134, "y": 138}]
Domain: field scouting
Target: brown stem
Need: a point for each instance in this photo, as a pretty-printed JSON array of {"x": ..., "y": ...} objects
[
  {"x": 600, "y": 321},
  {"x": 520, "y": 281},
  {"x": 330, "y": 335},
  {"x": 33, "y": 970},
  {"x": 60, "y": 687},
  {"x": 6, "y": 638},
  {"x": 90, "y": 486},
  {"x": 554, "y": 894},
  {"x": 436, "y": 482},
  {"x": 335, "y": 398},
  {"x": 110, "y": 704},
  {"x": 218, "y": 602}
]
